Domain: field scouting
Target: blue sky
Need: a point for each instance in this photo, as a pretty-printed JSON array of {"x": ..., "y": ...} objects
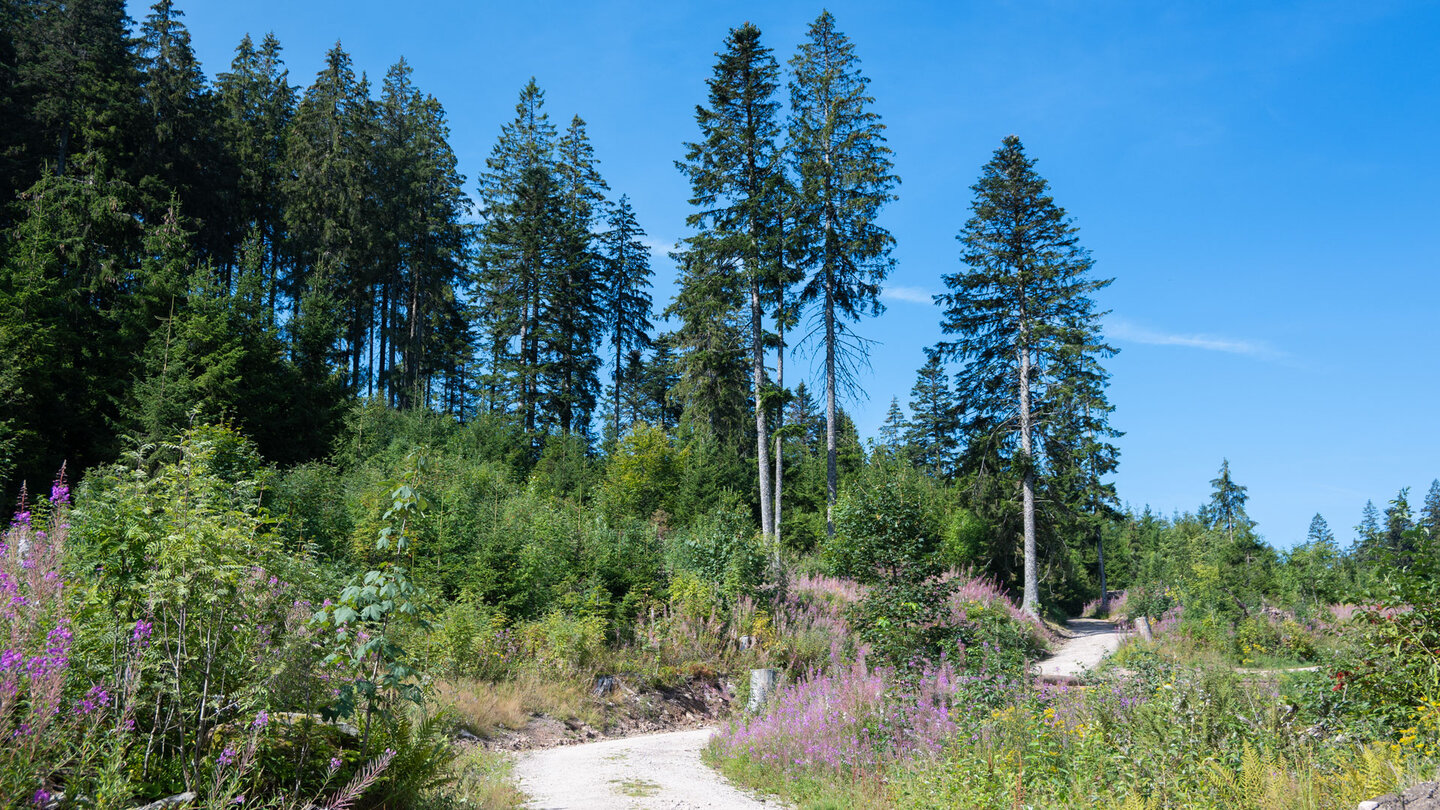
[{"x": 1258, "y": 178}]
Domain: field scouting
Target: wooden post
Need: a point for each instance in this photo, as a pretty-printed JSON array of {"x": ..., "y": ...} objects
[{"x": 762, "y": 686}]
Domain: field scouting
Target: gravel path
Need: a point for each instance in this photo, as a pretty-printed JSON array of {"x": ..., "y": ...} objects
[
  {"x": 1094, "y": 639},
  {"x": 653, "y": 772},
  {"x": 664, "y": 771}
]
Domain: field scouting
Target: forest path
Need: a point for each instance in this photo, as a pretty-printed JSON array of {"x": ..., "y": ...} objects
[
  {"x": 664, "y": 771},
  {"x": 651, "y": 772},
  {"x": 1094, "y": 639}
]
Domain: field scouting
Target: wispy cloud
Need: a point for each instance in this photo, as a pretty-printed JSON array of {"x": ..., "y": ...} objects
[
  {"x": 912, "y": 295},
  {"x": 1134, "y": 333}
]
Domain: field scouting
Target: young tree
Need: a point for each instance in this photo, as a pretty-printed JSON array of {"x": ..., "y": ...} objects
[
  {"x": 934, "y": 429},
  {"x": 1226, "y": 509},
  {"x": 731, "y": 171},
  {"x": 837, "y": 147},
  {"x": 1022, "y": 311},
  {"x": 1430, "y": 512},
  {"x": 625, "y": 282}
]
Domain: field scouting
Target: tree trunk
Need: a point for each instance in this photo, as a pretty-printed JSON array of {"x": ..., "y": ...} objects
[
  {"x": 1031, "y": 603},
  {"x": 831, "y": 484},
  {"x": 779, "y": 441},
  {"x": 762, "y": 432},
  {"x": 1100, "y": 552}
]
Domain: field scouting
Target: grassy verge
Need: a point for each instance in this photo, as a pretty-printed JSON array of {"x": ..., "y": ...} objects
[{"x": 480, "y": 779}]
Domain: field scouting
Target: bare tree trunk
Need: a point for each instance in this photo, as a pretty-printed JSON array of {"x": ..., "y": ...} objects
[
  {"x": 1100, "y": 551},
  {"x": 1031, "y": 603},
  {"x": 831, "y": 484},
  {"x": 762, "y": 431},
  {"x": 779, "y": 441}
]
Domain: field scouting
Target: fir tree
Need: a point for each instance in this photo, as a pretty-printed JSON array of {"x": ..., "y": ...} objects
[
  {"x": 1022, "y": 312},
  {"x": 731, "y": 171},
  {"x": 838, "y": 150},
  {"x": 893, "y": 430},
  {"x": 329, "y": 211},
  {"x": 514, "y": 247},
  {"x": 77, "y": 73},
  {"x": 934, "y": 430},
  {"x": 256, "y": 103},
  {"x": 1367, "y": 535},
  {"x": 1430, "y": 511},
  {"x": 424, "y": 246},
  {"x": 625, "y": 284},
  {"x": 183, "y": 154}
]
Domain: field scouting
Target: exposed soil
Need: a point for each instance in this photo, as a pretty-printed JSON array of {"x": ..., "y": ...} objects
[{"x": 628, "y": 712}]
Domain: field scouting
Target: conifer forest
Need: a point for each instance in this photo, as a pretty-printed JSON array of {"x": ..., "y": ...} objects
[{"x": 332, "y": 477}]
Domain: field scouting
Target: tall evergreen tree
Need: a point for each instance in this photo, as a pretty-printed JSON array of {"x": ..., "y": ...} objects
[
  {"x": 329, "y": 204},
  {"x": 182, "y": 154},
  {"x": 1368, "y": 536},
  {"x": 710, "y": 343},
  {"x": 1430, "y": 511},
  {"x": 893, "y": 430},
  {"x": 625, "y": 284},
  {"x": 934, "y": 429},
  {"x": 573, "y": 325},
  {"x": 1022, "y": 311},
  {"x": 424, "y": 246},
  {"x": 511, "y": 266},
  {"x": 731, "y": 171},
  {"x": 77, "y": 73},
  {"x": 838, "y": 149},
  {"x": 1226, "y": 509},
  {"x": 256, "y": 103}
]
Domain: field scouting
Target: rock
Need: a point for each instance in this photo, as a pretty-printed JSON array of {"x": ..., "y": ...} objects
[
  {"x": 178, "y": 800},
  {"x": 1424, "y": 796}
]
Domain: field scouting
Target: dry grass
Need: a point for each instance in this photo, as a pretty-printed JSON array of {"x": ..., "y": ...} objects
[{"x": 484, "y": 706}]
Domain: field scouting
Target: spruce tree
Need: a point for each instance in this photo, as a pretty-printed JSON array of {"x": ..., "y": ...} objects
[
  {"x": 1226, "y": 509},
  {"x": 424, "y": 247},
  {"x": 934, "y": 429},
  {"x": 731, "y": 171},
  {"x": 510, "y": 265},
  {"x": 1368, "y": 537},
  {"x": 77, "y": 72},
  {"x": 837, "y": 147},
  {"x": 256, "y": 103},
  {"x": 625, "y": 284},
  {"x": 710, "y": 342},
  {"x": 1021, "y": 312},
  {"x": 182, "y": 154},
  {"x": 329, "y": 211},
  {"x": 1430, "y": 511}
]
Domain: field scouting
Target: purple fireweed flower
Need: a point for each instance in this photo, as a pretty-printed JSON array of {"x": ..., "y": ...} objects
[
  {"x": 141, "y": 634},
  {"x": 334, "y": 764},
  {"x": 261, "y": 719},
  {"x": 22, "y": 518},
  {"x": 226, "y": 757},
  {"x": 59, "y": 493},
  {"x": 40, "y": 798}
]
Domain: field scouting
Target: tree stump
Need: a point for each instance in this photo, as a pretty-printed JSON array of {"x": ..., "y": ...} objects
[{"x": 762, "y": 686}]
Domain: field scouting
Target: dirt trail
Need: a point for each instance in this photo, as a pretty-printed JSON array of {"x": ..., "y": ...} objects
[
  {"x": 653, "y": 772},
  {"x": 664, "y": 771},
  {"x": 1094, "y": 639}
]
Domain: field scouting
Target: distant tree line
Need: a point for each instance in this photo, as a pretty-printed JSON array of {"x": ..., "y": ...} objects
[{"x": 180, "y": 250}]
